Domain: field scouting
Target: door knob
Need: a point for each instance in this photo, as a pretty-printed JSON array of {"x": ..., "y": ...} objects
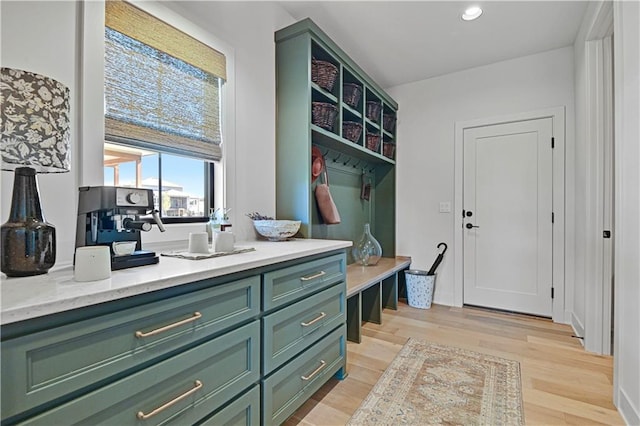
[{"x": 469, "y": 226}]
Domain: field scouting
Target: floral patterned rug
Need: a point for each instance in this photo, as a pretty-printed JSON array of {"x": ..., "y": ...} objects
[{"x": 434, "y": 384}]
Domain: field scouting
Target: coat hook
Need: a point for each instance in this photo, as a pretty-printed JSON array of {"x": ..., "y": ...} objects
[
  {"x": 356, "y": 165},
  {"x": 336, "y": 159},
  {"x": 346, "y": 162},
  {"x": 325, "y": 154}
]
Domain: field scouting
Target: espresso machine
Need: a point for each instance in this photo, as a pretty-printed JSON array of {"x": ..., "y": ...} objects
[{"x": 111, "y": 214}]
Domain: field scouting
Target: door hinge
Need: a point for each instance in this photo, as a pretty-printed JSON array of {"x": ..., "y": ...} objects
[
  {"x": 553, "y": 217},
  {"x": 606, "y": 234},
  {"x": 553, "y": 143},
  {"x": 552, "y": 292}
]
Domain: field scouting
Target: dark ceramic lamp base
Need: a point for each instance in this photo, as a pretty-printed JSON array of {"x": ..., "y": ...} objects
[{"x": 28, "y": 241}]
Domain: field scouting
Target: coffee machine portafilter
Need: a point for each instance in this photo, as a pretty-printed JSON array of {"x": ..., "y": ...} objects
[{"x": 108, "y": 214}]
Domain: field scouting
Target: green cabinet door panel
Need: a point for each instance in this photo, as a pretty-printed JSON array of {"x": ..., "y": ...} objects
[
  {"x": 293, "y": 192},
  {"x": 289, "y": 284},
  {"x": 291, "y": 330},
  {"x": 244, "y": 411},
  {"x": 43, "y": 366},
  {"x": 209, "y": 374},
  {"x": 288, "y": 388}
]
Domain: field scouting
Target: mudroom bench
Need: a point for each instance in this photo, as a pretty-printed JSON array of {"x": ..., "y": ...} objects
[{"x": 371, "y": 289}]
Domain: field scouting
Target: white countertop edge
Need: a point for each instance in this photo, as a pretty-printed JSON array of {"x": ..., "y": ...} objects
[{"x": 32, "y": 297}]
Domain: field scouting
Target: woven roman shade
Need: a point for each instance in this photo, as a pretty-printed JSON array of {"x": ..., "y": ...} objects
[{"x": 162, "y": 87}]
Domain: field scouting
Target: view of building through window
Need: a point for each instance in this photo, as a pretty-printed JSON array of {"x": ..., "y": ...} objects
[{"x": 178, "y": 192}]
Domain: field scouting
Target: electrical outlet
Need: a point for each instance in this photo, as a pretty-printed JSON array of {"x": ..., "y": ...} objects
[{"x": 445, "y": 207}]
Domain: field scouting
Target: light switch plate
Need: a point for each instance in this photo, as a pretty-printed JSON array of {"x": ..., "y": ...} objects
[{"x": 445, "y": 207}]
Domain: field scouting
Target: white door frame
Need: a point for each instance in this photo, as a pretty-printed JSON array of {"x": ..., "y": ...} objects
[
  {"x": 597, "y": 327},
  {"x": 557, "y": 114}
]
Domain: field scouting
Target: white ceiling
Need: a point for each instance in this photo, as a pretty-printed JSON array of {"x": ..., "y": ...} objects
[{"x": 398, "y": 42}]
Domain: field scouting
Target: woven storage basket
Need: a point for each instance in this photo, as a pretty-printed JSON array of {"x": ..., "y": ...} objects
[
  {"x": 351, "y": 94},
  {"x": 323, "y": 114},
  {"x": 373, "y": 111},
  {"x": 351, "y": 130},
  {"x": 373, "y": 142},
  {"x": 323, "y": 73},
  {"x": 388, "y": 122},
  {"x": 388, "y": 149}
]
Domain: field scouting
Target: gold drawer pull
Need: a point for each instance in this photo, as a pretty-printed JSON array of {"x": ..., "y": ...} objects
[
  {"x": 316, "y": 371},
  {"x": 313, "y": 321},
  {"x": 197, "y": 386},
  {"x": 196, "y": 315},
  {"x": 311, "y": 277}
]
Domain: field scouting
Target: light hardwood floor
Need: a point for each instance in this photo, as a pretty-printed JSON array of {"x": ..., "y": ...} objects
[{"x": 561, "y": 383}]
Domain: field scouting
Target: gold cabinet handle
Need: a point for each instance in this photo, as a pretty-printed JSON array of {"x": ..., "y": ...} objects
[
  {"x": 313, "y": 321},
  {"x": 314, "y": 372},
  {"x": 197, "y": 386},
  {"x": 196, "y": 315},
  {"x": 314, "y": 276}
]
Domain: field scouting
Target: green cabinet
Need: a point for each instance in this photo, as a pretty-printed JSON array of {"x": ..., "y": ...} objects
[
  {"x": 198, "y": 353},
  {"x": 293, "y": 329},
  {"x": 244, "y": 411},
  {"x": 355, "y": 134},
  {"x": 288, "y": 388},
  {"x": 180, "y": 390},
  {"x": 288, "y": 284},
  {"x": 50, "y": 364}
]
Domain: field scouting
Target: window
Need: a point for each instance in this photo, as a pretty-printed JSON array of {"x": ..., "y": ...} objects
[
  {"x": 185, "y": 191},
  {"x": 162, "y": 111}
]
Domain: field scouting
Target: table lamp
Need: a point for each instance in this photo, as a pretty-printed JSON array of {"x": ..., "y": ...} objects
[{"x": 34, "y": 138}]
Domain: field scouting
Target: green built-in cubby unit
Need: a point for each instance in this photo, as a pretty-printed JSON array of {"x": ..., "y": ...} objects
[{"x": 326, "y": 100}]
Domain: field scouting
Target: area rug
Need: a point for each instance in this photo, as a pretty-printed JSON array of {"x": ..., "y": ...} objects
[{"x": 435, "y": 384}]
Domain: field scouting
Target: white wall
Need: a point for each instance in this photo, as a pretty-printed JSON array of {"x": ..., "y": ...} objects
[
  {"x": 54, "y": 46},
  {"x": 627, "y": 210},
  {"x": 578, "y": 304},
  {"x": 428, "y": 112},
  {"x": 626, "y": 21},
  {"x": 49, "y": 46}
]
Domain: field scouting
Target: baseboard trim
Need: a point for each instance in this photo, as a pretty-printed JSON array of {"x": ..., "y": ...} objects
[
  {"x": 629, "y": 413},
  {"x": 578, "y": 328}
]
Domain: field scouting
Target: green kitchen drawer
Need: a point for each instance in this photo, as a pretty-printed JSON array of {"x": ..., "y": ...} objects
[
  {"x": 243, "y": 411},
  {"x": 289, "y": 284},
  {"x": 288, "y": 388},
  {"x": 206, "y": 377},
  {"x": 291, "y": 330},
  {"x": 43, "y": 366}
]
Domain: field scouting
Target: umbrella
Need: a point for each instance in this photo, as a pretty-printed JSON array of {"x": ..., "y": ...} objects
[{"x": 436, "y": 263}]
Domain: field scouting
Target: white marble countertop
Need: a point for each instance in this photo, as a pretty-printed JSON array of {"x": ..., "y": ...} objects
[{"x": 31, "y": 297}]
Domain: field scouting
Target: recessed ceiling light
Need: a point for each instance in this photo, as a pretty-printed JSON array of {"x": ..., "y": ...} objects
[{"x": 471, "y": 13}]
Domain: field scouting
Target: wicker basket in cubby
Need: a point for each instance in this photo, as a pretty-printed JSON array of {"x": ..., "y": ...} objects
[
  {"x": 388, "y": 149},
  {"x": 351, "y": 130},
  {"x": 373, "y": 110},
  {"x": 351, "y": 94},
  {"x": 323, "y": 73},
  {"x": 373, "y": 141},
  {"x": 389, "y": 122},
  {"x": 323, "y": 114}
]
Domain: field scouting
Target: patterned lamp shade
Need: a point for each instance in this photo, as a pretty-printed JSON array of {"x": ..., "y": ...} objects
[
  {"x": 34, "y": 138},
  {"x": 35, "y": 129}
]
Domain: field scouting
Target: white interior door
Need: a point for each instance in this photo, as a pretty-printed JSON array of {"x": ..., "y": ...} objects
[{"x": 508, "y": 230}]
